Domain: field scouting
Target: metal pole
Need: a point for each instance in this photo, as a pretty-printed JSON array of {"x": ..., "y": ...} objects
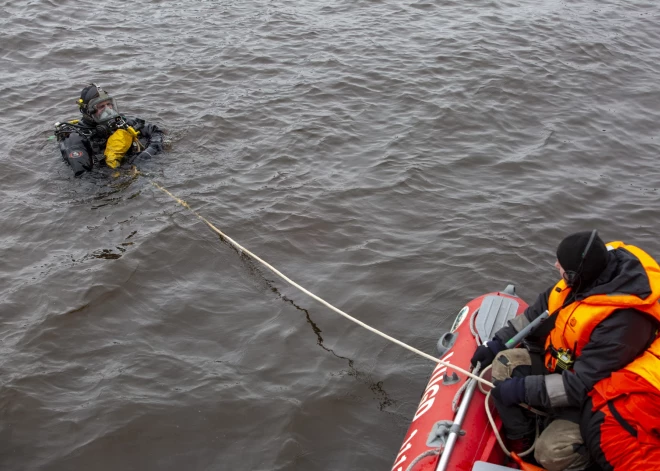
[{"x": 456, "y": 427}]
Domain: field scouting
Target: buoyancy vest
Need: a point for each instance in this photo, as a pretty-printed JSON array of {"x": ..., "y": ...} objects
[{"x": 576, "y": 321}]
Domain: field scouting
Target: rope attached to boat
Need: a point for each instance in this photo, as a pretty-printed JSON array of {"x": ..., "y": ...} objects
[
  {"x": 243, "y": 250},
  {"x": 497, "y": 433},
  {"x": 464, "y": 386},
  {"x": 474, "y": 377},
  {"x": 492, "y": 421},
  {"x": 435, "y": 451}
]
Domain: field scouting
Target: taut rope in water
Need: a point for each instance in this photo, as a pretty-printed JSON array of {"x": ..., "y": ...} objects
[{"x": 312, "y": 295}]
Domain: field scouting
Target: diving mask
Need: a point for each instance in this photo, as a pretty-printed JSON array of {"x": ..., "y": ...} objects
[
  {"x": 106, "y": 115},
  {"x": 103, "y": 109}
]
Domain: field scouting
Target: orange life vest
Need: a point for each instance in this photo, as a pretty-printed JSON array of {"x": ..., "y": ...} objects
[{"x": 576, "y": 321}]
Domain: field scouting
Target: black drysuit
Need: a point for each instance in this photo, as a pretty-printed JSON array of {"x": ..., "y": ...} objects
[{"x": 82, "y": 144}]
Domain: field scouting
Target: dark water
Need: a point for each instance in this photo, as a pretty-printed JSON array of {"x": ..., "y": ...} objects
[{"x": 395, "y": 158}]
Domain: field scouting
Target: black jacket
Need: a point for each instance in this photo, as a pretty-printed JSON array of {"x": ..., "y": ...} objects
[{"x": 81, "y": 142}]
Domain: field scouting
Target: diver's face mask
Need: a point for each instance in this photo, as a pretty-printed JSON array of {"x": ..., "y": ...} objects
[{"x": 103, "y": 110}]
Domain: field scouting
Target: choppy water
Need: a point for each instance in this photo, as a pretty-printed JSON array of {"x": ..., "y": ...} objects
[{"x": 396, "y": 158}]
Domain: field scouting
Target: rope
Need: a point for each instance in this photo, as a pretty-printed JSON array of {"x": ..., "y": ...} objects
[
  {"x": 435, "y": 451},
  {"x": 473, "y": 331},
  {"x": 474, "y": 377},
  {"x": 494, "y": 427},
  {"x": 464, "y": 386},
  {"x": 499, "y": 438},
  {"x": 243, "y": 250}
]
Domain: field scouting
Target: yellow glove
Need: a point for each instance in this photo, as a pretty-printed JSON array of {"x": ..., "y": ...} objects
[{"x": 117, "y": 146}]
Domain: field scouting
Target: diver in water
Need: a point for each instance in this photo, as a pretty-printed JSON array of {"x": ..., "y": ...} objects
[{"x": 103, "y": 136}]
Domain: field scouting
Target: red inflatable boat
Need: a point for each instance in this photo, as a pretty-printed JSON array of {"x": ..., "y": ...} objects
[{"x": 448, "y": 431}]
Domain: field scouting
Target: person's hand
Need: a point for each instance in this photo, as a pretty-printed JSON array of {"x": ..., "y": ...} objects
[
  {"x": 485, "y": 354},
  {"x": 510, "y": 391}
]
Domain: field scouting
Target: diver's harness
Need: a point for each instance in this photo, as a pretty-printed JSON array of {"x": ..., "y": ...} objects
[
  {"x": 100, "y": 131},
  {"x": 104, "y": 130}
]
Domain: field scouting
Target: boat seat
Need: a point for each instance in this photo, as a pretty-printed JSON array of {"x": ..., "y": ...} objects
[{"x": 493, "y": 314}]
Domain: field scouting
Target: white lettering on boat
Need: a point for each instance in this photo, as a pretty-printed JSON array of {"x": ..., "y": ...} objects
[
  {"x": 405, "y": 447},
  {"x": 429, "y": 394},
  {"x": 436, "y": 377}
]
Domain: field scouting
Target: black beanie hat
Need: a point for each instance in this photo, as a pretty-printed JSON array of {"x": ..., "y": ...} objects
[{"x": 582, "y": 262}]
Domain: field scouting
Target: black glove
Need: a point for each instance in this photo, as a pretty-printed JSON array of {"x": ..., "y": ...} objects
[
  {"x": 485, "y": 354},
  {"x": 510, "y": 391}
]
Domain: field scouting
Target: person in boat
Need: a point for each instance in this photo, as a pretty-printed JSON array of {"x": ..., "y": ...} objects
[
  {"x": 593, "y": 365},
  {"x": 103, "y": 136}
]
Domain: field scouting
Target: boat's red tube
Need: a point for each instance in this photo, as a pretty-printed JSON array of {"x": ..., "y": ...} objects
[{"x": 479, "y": 442}]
